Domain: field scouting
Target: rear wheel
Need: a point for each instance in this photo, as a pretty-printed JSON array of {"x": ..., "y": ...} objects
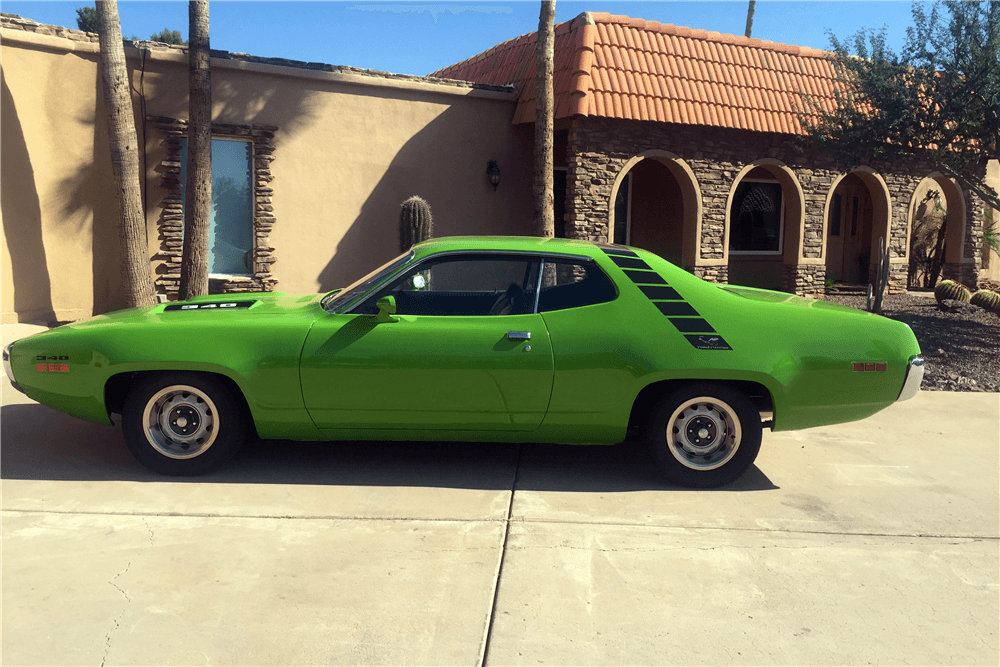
[
  {"x": 182, "y": 423},
  {"x": 704, "y": 435}
]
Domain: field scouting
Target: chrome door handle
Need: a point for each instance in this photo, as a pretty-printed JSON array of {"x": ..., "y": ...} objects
[{"x": 518, "y": 335}]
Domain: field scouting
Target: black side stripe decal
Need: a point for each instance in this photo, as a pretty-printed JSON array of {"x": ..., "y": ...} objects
[
  {"x": 618, "y": 251},
  {"x": 645, "y": 277},
  {"x": 691, "y": 325},
  {"x": 630, "y": 262},
  {"x": 660, "y": 292},
  {"x": 679, "y": 308}
]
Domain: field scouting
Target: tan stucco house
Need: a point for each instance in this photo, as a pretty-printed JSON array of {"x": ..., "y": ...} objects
[
  {"x": 680, "y": 141},
  {"x": 668, "y": 138}
]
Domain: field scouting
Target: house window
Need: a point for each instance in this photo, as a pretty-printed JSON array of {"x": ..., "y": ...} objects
[
  {"x": 756, "y": 218},
  {"x": 834, "y": 222},
  {"x": 242, "y": 216},
  {"x": 230, "y": 239}
]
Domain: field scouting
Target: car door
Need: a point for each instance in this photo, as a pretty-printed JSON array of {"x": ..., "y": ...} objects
[{"x": 464, "y": 352}]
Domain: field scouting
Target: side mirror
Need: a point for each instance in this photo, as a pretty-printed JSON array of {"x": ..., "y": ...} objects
[{"x": 387, "y": 309}]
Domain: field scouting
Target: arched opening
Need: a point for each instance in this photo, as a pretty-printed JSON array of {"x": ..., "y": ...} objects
[
  {"x": 765, "y": 214},
  {"x": 937, "y": 229},
  {"x": 858, "y": 211},
  {"x": 655, "y": 205}
]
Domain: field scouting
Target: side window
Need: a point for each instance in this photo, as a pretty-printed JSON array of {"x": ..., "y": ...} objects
[
  {"x": 230, "y": 227},
  {"x": 569, "y": 284},
  {"x": 462, "y": 286}
]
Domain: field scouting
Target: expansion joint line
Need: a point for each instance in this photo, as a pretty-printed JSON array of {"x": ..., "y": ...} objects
[{"x": 488, "y": 633}]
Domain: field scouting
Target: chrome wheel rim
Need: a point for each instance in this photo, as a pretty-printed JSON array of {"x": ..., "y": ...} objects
[
  {"x": 703, "y": 433},
  {"x": 180, "y": 422}
]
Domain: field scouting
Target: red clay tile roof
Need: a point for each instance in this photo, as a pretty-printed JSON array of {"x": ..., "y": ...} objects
[{"x": 620, "y": 67}]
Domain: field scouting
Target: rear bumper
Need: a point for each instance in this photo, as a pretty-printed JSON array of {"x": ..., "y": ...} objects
[{"x": 914, "y": 376}]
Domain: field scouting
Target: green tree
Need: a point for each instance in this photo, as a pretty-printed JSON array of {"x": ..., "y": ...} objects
[
  {"x": 86, "y": 18},
  {"x": 938, "y": 100},
  {"x": 167, "y": 36}
]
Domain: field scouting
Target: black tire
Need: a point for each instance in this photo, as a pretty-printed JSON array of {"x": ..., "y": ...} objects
[
  {"x": 183, "y": 423},
  {"x": 704, "y": 435}
]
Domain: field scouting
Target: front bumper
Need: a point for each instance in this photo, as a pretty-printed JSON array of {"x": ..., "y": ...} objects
[
  {"x": 914, "y": 376},
  {"x": 7, "y": 368}
]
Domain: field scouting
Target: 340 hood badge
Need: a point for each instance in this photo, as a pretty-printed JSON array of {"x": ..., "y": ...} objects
[{"x": 226, "y": 305}]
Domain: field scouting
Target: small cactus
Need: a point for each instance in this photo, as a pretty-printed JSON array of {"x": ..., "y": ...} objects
[
  {"x": 949, "y": 289},
  {"x": 415, "y": 223},
  {"x": 987, "y": 300}
]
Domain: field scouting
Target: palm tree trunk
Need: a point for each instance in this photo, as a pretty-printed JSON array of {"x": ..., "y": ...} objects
[
  {"x": 544, "y": 66},
  {"x": 137, "y": 276},
  {"x": 198, "y": 189},
  {"x": 750, "y": 10}
]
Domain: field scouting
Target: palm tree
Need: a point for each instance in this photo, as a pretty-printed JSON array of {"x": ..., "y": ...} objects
[
  {"x": 198, "y": 189},
  {"x": 544, "y": 59},
  {"x": 137, "y": 276},
  {"x": 753, "y": 5}
]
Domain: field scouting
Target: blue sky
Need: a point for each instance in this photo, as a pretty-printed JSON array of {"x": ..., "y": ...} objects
[{"x": 419, "y": 37}]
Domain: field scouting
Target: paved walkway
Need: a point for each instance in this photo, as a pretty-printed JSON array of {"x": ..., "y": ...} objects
[{"x": 876, "y": 542}]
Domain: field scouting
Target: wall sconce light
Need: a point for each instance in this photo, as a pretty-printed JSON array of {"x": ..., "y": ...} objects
[{"x": 493, "y": 169}]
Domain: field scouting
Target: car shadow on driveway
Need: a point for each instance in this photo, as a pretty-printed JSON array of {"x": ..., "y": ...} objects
[{"x": 38, "y": 443}]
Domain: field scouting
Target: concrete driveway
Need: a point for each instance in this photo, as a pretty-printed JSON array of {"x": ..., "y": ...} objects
[{"x": 876, "y": 542}]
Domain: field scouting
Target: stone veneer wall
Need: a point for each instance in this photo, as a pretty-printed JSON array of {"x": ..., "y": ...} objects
[
  {"x": 171, "y": 223},
  {"x": 598, "y": 149}
]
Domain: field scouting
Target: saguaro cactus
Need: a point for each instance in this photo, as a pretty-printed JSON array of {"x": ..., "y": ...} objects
[
  {"x": 415, "y": 223},
  {"x": 881, "y": 278}
]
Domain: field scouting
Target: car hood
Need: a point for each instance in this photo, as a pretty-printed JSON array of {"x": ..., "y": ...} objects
[
  {"x": 214, "y": 308},
  {"x": 783, "y": 298}
]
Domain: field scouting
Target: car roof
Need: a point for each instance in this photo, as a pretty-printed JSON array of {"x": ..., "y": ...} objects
[{"x": 507, "y": 243}]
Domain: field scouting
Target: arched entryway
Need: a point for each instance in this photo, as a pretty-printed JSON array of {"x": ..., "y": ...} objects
[
  {"x": 655, "y": 205},
  {"x": 765, "y": 214},
  {"x": 858, "y": 215},
  {"x": 937, "y": 229}
]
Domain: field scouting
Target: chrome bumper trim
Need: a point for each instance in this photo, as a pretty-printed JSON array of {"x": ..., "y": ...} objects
[
  {"x": 7, "y": 369},
  {"x": 914, "y": 376}
]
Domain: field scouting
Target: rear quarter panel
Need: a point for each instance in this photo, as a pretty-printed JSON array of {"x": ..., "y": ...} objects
[{"x": 801, "y": 350}]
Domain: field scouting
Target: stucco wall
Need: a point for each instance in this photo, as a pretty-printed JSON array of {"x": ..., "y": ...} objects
[
  {"x": 991, "y": 258},
  {"x": 348, "y": 149}
]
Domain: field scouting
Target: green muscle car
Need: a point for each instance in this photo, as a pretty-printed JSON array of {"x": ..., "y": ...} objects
[{"x": 489, "y": 339}]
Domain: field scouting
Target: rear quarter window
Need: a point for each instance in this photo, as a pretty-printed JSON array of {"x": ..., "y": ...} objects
[{"x": 569, "y": 284}]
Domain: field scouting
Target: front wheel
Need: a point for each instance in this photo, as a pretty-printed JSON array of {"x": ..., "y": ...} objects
[
  {"x": 182, "y": 423},
  {"x": 704, "y": 435}
]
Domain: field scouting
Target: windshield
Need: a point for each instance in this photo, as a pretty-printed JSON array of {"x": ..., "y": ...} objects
[{"x": 334, "y": 301}]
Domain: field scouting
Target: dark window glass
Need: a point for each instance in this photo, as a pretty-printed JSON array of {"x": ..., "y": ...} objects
[
  {"x": 834, "y": 221},
  {"x": 854, "y": 217},
  {"x": 569, "y": 284},
  {"x": 462, "y": 286},
  {"x": 755, "y": 218},
  {"x": 621, "y": 212}
]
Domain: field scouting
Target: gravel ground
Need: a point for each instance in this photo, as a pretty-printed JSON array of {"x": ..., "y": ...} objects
[{"x": 961, "y": 347}]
